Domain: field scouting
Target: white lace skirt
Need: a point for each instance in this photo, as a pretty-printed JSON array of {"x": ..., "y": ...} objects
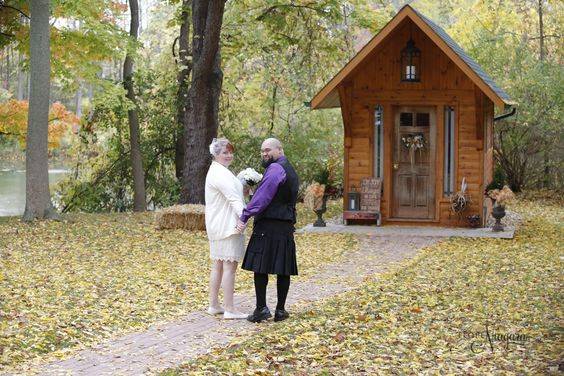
[{"x": 231, "y": 248}]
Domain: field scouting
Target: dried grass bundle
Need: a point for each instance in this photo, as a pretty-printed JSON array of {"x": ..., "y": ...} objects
[{"x": 188, "y": 217}]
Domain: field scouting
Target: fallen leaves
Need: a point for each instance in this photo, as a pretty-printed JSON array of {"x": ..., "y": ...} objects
[
  {"x": 442, "y": 312},
  {"x": 70, "y": 284}
]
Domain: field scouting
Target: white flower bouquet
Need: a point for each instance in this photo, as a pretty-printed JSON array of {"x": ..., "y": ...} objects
[{"x": 249, "y": 177}]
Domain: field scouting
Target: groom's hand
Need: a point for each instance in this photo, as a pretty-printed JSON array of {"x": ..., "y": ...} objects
[{"x": 241, "y": 226}]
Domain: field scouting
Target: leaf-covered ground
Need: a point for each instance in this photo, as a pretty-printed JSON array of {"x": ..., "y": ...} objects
[
  {"x": 462, "y": 306},
  {"x": 65, "y": 285}
]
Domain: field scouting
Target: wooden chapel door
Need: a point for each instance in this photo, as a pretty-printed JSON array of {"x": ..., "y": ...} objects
[{"x": 413, "y": 168}]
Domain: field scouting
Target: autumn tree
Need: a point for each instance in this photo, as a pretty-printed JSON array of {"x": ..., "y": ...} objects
[
  {"x": 185, "y": 67},
  {"x": 139, "y": 199},
  {"x": 38, "y": 199},
  {"x": 202, "y": 121},
  {"x": 14, "y": 122}
]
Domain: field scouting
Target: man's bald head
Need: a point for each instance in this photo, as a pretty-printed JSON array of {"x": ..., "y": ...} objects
[
  {"x": 271, "y": 149},
  {"x": 272, "y": 143}
]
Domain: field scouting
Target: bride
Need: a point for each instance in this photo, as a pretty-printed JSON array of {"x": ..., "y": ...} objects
[{"x": 224, "y": 205}]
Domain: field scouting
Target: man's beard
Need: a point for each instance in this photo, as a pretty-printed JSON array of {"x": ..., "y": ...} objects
[{"x": 267, "y": 162}]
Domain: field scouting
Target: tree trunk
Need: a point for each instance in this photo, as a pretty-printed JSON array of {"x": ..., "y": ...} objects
[
  {"x": 541, "y": 33},
  {"x": 28, "y": 85},
  {"x": 38, "y": 201},
  {"x": 139, "y": 199},
  {"x": 78, "y": 101},
  {"x": 20, "y": 92},
  {"x": 546, "y": 153},
  {"x": 183, "y": 87},
  {"x": 7, "y": 86},
  {"x": 90, "y": 95},
  {"x": 203, "y": 97}
]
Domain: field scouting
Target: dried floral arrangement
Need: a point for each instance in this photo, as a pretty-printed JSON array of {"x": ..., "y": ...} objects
[
  {"x": 313, "y": 198},
  {"x": 460, "y": 201},
  {"x": 502, "y": 196},
  {"x": 414, "y": 141}
]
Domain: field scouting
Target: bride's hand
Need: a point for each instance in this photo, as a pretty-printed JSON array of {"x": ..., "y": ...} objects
[{"x": 241, "y": 226}]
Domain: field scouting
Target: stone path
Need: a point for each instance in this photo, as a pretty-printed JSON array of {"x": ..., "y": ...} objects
[
  {"x": 168, "y": 345},
  {"x": 425, "y": 231}
]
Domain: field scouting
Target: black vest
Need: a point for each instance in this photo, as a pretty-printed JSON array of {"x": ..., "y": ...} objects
[{"x": 283, "y": 205}]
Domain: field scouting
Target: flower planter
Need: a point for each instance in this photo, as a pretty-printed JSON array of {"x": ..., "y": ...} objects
[
  {"x": 320, "y": 222},
  {"x": 498, "y": 213},
  {"x": 474, "y": 220}
]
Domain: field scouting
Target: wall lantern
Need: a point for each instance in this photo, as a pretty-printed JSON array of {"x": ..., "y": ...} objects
[{"x": 410, "y": 62}]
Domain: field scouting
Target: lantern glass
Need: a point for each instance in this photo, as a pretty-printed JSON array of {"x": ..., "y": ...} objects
[
  {"x": 410, "y": 62},
  {"x": 354, "y": 201}
]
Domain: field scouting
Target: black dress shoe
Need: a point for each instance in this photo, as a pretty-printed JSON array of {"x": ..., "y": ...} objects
[
  {"x": 260, "y": 315},
  {"x": 281, "y": 314}
]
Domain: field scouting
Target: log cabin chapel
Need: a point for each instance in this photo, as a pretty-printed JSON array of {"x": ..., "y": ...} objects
[{"x": 418, "y": 116}]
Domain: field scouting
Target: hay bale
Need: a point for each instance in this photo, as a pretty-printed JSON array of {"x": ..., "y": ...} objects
[{"x": 187, "y": 217}]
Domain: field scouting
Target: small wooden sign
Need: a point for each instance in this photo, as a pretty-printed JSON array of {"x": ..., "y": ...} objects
[{"x": 370, "y": 194}]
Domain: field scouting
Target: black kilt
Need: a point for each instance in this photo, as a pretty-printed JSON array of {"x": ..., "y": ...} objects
[{"x": 271, "y": 249}]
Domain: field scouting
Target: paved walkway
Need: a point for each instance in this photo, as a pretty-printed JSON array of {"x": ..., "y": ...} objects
[
  {"x": 168, "y": 345},
  {"x": 425, "y": 231}
]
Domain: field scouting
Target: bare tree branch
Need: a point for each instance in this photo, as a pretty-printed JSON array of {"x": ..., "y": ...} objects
[{"x": 3, "y": 5}]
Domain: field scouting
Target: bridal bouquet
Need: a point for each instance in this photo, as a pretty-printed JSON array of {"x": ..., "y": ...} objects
[{"x": 249, "y": 177}]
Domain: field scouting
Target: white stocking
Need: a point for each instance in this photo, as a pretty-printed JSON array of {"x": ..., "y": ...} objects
[
  {"x": 215, "y": 282},
  {"x": 228, "y": 283}
]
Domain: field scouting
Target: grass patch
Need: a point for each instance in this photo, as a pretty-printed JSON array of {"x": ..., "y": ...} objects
[
  {"x": 427, "y": 316},
  {"x": 66, "y": 285}
]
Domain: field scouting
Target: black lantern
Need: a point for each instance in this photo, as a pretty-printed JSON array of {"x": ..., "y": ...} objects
[
  {"x": 410, "y": 62},
  {"x": 354, "y": 201}
]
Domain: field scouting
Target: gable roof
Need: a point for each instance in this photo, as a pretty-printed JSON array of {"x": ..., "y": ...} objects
[{"x": 328, "y": 97}]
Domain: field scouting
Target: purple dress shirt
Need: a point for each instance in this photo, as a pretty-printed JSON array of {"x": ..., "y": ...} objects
[{"x": 273, "y": 177}]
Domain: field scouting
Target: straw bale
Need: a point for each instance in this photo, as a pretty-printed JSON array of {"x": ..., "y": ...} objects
[{"x": 188, "y": 217}]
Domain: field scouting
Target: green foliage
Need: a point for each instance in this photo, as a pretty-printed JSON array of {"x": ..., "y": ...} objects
[
  {"x": 498, "y": 180},
  {"x": 322, "y": 177},
  {"x": 102, "y": 179},
  {"x": 83, "y": 35},
  {"x": 504, "y": 37},
  {"x": 276, "y": 56},
  {"x": 274, "y": 60}
]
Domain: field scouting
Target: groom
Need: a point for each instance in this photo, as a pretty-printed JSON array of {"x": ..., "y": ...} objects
[{"x": 271, "y": 249}]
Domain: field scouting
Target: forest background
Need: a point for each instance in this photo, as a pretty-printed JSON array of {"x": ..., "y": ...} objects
[{"x": 275, "y": 55}]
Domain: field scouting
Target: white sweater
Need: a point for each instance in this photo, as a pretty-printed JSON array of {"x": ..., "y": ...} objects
[{"x": 224, "y": 202}]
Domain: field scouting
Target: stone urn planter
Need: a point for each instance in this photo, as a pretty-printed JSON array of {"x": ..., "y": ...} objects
[
  {"x": 474, "y": 220},
  {"x": 320, "y": 222},
  {"x": 498, "y": 213}
]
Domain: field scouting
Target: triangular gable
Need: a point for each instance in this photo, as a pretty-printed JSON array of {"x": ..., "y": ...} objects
[{"x": 328, "y": 97}]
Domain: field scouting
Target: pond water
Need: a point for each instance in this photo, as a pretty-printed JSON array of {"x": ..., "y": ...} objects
[{"x": 12, "y": 189}]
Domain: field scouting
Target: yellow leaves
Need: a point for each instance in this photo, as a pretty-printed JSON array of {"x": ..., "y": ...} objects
[
  {"x": 430, "y": 313},
  {"x": 69, "y": 284},
  {"x": 13, "y": 121}
]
